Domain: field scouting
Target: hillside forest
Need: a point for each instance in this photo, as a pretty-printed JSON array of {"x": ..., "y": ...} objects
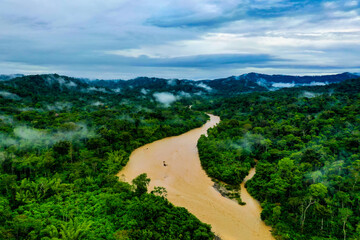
[
  {"x": 306, "y": 143},
  {"x": 64, "y": 139},
  {"x": 60, "y": 150}
]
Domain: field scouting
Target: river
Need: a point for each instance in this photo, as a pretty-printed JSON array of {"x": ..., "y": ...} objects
[{"x": 188, "y": 185}]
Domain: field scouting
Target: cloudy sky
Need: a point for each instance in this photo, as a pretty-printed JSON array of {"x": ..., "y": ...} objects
[{"x": 195, "y": 39}]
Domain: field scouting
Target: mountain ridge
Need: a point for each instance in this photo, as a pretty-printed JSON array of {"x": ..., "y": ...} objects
[{"x": 250, "y": 82}]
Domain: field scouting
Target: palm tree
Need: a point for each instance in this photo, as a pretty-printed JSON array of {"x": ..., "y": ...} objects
[{"x": 74, "y": 229}]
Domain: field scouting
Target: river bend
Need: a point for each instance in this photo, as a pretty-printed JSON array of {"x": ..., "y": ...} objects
[{"x": 188, "y": 185}]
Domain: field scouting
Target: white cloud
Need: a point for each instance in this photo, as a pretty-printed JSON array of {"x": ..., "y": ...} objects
[
  {"x": 144, "y": 91},
  {"x": 165, "y": 98},
  {"x": 318, "y": 83},
  {"x": 9, "y": 95},
  {"x": 28, "y": 137},
  {"x": 64, "y": 36},
  {"x": 171, "y": 82},
  {"x": 97, "y": 104},
  {"x": 351, "y": 3},
  {"x": 97, "y": 89},
  {"x": 184, "y": 94},
  {"x": 307, "y": 94},
  {"x": 283, "y": 85},
  {"x": 204, "y": 86}
]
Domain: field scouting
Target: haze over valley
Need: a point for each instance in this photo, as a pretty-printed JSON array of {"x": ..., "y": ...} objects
[{"x": 180, "y": 120}]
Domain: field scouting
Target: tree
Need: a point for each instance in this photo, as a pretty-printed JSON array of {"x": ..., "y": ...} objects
[
  {"x": 345, "y": 213},
  {"x": 141, "y": 183},
  {"x": 74, "y": 229},
  {"x": 355, "y": 172},
  {"x": 159, "y": 191},
  {"x": 316, "y": 191}
]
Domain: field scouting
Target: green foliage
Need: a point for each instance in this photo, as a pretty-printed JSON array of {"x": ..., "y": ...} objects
[
  {"x": 141, "y": 182},
  {"x": 59, "y": 152},
  {"x": 74, "y": 229},
  {"x": 225, "y": 155},
  {"x": 62, "y": 143},
  {"x": 307, "y": 177}
]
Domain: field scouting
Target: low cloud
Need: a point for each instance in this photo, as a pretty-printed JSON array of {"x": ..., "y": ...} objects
[
  {"x": 25, "y": 109},
  {"x": 98, "y": 103},
  {"x": 61, "y": 81},
  {"x": 307, "y": 94},
  {"x": 144, "y": 91},
  {"x": 58, "y": 106},
  {"x": 71, "y": 84},
  {"x": 184, "y": 94},
  {"x": 262, "y": 82},
  {"x": 204, "y": 86},
  {"x": 7, "y": 119},
  {"x": 318, "y": 83},
  {"x": 172, "y": 82},
  {"x": 165, "y": 98},
  {"x": 24, "y": 136},
  {"x": 247, "y": 143},
  {"x": 283, "y": 85},
  {"x": 96, "y": 89},
  {"x": 9, "y": 95},
  {"x": 117, "y": 90}
]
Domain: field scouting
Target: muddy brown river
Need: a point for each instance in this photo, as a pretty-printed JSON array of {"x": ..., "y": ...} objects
[{"x": 188, "y": 185}]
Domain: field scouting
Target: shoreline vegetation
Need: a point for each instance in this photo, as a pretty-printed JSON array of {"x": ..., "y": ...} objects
[
  {"x": 307, "y": 143},
  {"x": 187, "y": 185},
  {"x": 57, "y": 180},
  {"x": 63, "y": 141}
]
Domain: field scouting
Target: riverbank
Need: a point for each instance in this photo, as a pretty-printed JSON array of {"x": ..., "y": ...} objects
[{"x": 174, "y": 163}]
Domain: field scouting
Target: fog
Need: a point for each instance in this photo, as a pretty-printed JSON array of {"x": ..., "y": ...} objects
[
  {"x": 98, "y": 103},
  {"x": 283, "y": 85},
  {"x": 7, "y": 119},
  {"x": 184, "y": 94},
  {"x": 61, "y": 81},
  {"x": 171, "y": 82},
  {"x": 95, "y": 89},
  {"x": 165, "y": 98},
  {"x": 24, "y": 136},
  {"x": 307, "y": 94},
  {"x": 204, "y": 86},
  {"x": 9, "y": 95},
  {"x": 144, "y": 91},
  {"x": 59, "y": 106}
]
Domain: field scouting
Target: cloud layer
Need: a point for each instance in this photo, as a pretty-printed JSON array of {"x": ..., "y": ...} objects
[{"x": 179, "y": 39}]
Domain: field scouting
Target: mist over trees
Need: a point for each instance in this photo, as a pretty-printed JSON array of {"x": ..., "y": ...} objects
[
  {"x": 62, "y": 140},
  {"x": 308, "y": 151},
  {"x": 60, "y": 148}
]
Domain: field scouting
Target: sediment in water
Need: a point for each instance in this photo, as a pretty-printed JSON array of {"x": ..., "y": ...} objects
[{"x": 188, "y": 185}]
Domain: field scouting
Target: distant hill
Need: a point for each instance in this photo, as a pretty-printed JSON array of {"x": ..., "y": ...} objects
[
  {"x": 8, "y": 77},
  {"x": 44, "y": 84},
  {"x": 231, "y": 85},
  {"x": 53, "y": 84},
  {"x": 273, "y": 82}
]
